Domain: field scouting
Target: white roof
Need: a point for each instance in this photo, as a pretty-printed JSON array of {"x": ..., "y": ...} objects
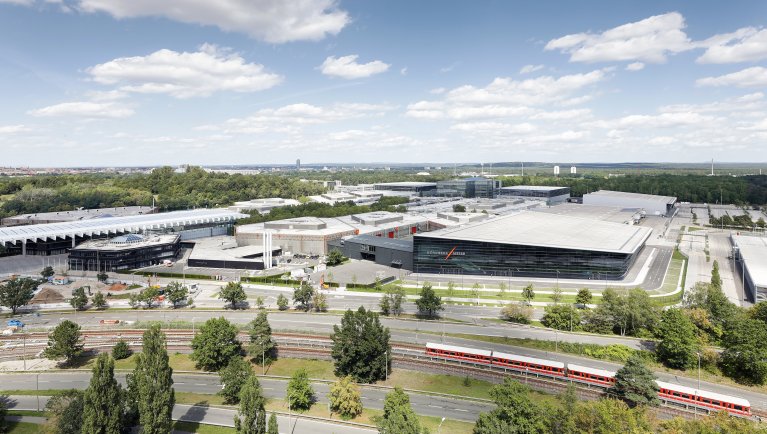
[
  {"x": 134, "y": 223},
  {"x": 551, "y": 230},
  {"x": 754, "y": 253},
  {"x": 635, "y": 196},
  {"x": 443, "y": 347},
  {"x": 525, "y": 359},
  {"x": 592, "y": 371},
  {"x": 533, "y": 187},
  {"x": 704, "y": 394},
  {"x": 406, "y": 184}
]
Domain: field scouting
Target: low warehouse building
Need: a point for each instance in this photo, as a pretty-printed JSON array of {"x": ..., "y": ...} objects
[
  {"x": 650, "y": 203},
  {"x": 751, "y": 254},
  {"x": 394, "y": 253}
]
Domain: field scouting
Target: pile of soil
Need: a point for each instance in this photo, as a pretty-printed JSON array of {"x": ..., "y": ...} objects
[
  {"x": 47, "y": 295},
  {"x": 117, "y": 287}
]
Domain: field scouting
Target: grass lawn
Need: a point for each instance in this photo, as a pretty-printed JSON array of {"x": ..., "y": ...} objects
[
  {"x": 26, "y": 413},
  {"x": 321, "y": 369},
  {"x": 41, "y": 392},
  {"x": 438, "y": 383},
  {"x": 178, "y": 361},
  {"x": 23, "y": 428},
  {"x": 198, "y": 398},
  {"x": 202, "y": 429}
]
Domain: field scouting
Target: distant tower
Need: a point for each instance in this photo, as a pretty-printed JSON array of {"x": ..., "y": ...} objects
[
  {"x": 712, "y": 167},
  {"x": 298, "y": 164},
  {"x": 556, "y": 170},
  {"x": 573, "y": 170}
]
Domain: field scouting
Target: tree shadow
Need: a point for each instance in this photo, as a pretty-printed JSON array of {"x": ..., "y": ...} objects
[
  {"x": 80, "y": 361},
  {"x": 7, "y": 402},
  {"x": 196, "y": 413}
]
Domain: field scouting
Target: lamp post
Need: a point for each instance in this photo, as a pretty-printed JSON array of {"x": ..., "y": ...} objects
[{"x": 440, "y": 425}]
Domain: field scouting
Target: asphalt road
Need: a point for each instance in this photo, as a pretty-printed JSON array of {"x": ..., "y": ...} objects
[
  {"x": 216, "y": 416},
  {"x": 427, "y": 405}
]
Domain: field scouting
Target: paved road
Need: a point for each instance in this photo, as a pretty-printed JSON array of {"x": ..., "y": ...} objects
[
  {"x": 427, "y": 405},
  {"x": 212, "y": 416}
]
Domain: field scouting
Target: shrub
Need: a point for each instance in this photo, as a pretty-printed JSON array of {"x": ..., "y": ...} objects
[{"x": 121, "y": 350}]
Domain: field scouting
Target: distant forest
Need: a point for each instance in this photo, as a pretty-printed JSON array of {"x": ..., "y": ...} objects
[{"x": 197, "y": 188}]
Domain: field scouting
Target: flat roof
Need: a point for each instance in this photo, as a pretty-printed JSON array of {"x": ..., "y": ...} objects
[
  {"x": 110, "y": 244},
  {"x": 635, "y": 196},
  {"x": 106, "y": 226},
  {"x": 754, "y": 253},
  {"x": 407, "y": 184},
  {"x": 225, "y": 248},
  {"x": 533, "y": 188},
  {"x": 324, "y": 226},
  {"x": 550, "y": 230},
  {"x": 83, "y": 214}
]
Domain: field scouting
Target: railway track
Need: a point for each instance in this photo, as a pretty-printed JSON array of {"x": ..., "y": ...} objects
[{"x": 309, "y": 346}]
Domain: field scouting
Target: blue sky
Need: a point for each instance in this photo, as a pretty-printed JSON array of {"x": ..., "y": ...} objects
[{"x": 142, "y": 82}]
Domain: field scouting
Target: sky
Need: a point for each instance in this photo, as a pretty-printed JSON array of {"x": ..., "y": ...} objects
[{"x": 249, "y": 82}]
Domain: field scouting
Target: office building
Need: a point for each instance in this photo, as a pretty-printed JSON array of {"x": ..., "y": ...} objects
[
  {"x": 750, "y": 255},
  {"x": 478, "y": 187},
  {"x": 552, "y": 195},
  {"x": 125, "y": 252}
]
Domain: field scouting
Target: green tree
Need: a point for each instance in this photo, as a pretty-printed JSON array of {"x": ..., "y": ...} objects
[
  {"x": 345, "y": 398},
  {"x": 556, "y": 295},
  {"x": 450, "y": 289},
  {"x": 3, "y": 413},
  {"x": 302, "y": 295},
  {"x": 153, "y": 378},
  {"x": 79, "y": 300},
  {"x": 273, "y": 427},
  {"x": 635, "y": 383},
  {"x": 175, "y": 292},
  {"x": 121, "y": 350},
  {"x": 64, "y": 342},
  {"x": 459, "y": 208},
  {"x": 102, "y": 409},
  {"x": 335, "y": 257},
  {"x": 561, "y": 317},
  {"x": 251, "y": 416},
  {"x": 233, "y": 378},
  {"x": 716, "y": 278},
  {"x": 528, "y": 294},
  {"x": 99, "y": 301},
  {"x": 584, "y": 297},
  {"x": 429, "y": 302},
  {"x": 282, "y": 302},
  {"x": 610, "y": 416},
  {"x": 65, "y": 412},
  {"x": 47, "y": 272},
  {"x": 678, "y": 341},
  {"x": 502, "y": 287},
  {"x": 300, "y": 394},
  {"x": 233, "y": 294},
  {"x": 148, "y": 295},
  {"x": 361, "y": 347},
  {"x": 391, "y": 301},
  {"x": 319, "y": 301},
  {"x": 515, "y": 412},
  {"x": 759, "y": 311},
  {"x": 519, "y": 313},
  {"x": 745, "y": 354},
  {"x": 563, "y": 421},
  {"x": 215, "y": 345},
  {"x": 475, "y": 291},
  {"x": 385, "y": 305},
  {"x": 261, "y": 347},
  {"x": 398, "y": 416},
  {"x": 16, "y": 293},
  {"x": 102, "y": 276}
]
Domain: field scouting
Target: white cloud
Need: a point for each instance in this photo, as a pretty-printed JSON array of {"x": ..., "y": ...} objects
[
  {"x": 744, "y": 45},
  {"x": 19, "y": 2},
  {"x": 663, "y": 120},
  {"x": 275, "y": 21},
  {"x": 495, "y": 127},
  {"x": 12, "y": 129},
  {"x": 636, "y": 66},
  {"x": 185, "y": 75},
  {"x": 649, "y": 40},
  {"x": 348, "y": 68},
  {"x": 438, "y": 91},
  {"x": 403, "y": 71},
  {"x": 562, "y": 114},
  {"x": 84, "y": 109},
  {"x": 527, "y": 69},
  {"x": 504, "y": 97},
  {"x": 755, "y": 76}
]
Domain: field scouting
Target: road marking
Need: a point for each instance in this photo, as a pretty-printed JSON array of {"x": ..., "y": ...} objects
[{"x": 461, "y": 409}]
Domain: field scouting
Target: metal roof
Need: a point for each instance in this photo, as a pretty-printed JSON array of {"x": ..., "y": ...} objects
[
  {"x": 406, "y": 184},
  {"x": 550, "y": 230},
  {"x": 387, "y": 243},
  {"x": 592, "y": 371},
  {"x": 134, "y": 223},
  {"x": 704, "y": 394},
  {"x": 634, "y": 196},
  {"x": 534, "y": 188},
  {"x": 525, "y": 359},
  {"x": 464, "y": 350},
  {"x": 753, "y": 250}
]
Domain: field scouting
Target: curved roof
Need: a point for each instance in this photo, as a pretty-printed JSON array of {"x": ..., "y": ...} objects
[
  {"x": 135, "y": 223},
  {"x": 128, "y": 238}
]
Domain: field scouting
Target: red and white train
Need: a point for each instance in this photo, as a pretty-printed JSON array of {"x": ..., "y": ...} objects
[{"x": 672, "y": 393}]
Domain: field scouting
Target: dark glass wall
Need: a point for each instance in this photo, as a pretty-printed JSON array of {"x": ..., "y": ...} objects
[{"x": 444, "y": 256}]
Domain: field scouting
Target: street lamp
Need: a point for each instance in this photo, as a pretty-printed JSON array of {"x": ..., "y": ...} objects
[{"x": 440, "y": 425}]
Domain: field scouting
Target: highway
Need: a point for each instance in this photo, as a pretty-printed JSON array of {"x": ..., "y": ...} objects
[
  {"x": 216, "y": 416},
  {"x": 372, "y": 397}
]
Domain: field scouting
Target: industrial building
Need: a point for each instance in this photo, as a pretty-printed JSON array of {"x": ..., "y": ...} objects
[
  {"x": 750, "y": 252},
  {"x": 532, "y": 244},
  {"x": 76, "y": 215},
  {"x": 125, "y": 252},
  {"x": 412, "y": 188},
  {"x": 58, "y": 238},
  {"x": 310, "y": 235},
  {"x": 263, "y": 206},
  {"x": 649, "y": 203},
  {"x": 392, "y": 252},
  {"x": 468, "y": 187},
  {"x": 224, "y": 252},
  {"x": 552, "y": 195}
]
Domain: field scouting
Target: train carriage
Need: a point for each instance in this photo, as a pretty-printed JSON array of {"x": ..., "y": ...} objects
[
  {"x": 529, "y": 364},
  {"x": 590, "y": 375},
  {"x": 703, "y": 399},
  {"x": 459, "y": 353}
]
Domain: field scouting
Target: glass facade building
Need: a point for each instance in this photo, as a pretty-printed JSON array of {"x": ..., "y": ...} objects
[
  {"x": 468, "y": 187},
  {"x": 436, "y": 255}
]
